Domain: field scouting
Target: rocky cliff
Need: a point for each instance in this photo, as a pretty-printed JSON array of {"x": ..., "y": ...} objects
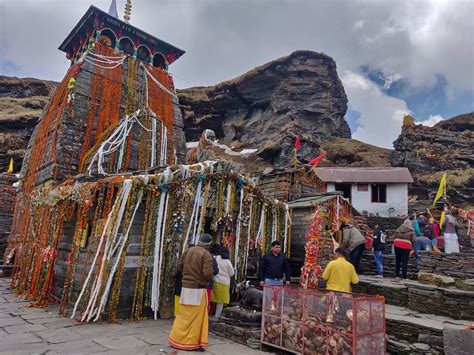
[
  {"x": 264, "y": 109},
  {"x": 267, "y": 106},
  {"x": 430, "y": 151},
  {"x": 21, "y": 103}
]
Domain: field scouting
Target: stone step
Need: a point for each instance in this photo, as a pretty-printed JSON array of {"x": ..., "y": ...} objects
[
  {"x": 458, "y": 265},
  {"x": 420, "y": 297},
  {"x": 368, "y": 265},
  {"x": 412, "y": 332}
]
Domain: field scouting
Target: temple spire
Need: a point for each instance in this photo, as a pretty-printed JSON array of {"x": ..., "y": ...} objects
[
  {"x": 113, "y": 9},
  {"x": 128, "y": 11}
]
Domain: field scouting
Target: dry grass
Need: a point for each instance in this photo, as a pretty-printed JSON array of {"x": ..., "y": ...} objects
[
  {"x": 351, "y": 152},
  {"x": 29, "y": 107},
  {"x": 455, "y": 178}
]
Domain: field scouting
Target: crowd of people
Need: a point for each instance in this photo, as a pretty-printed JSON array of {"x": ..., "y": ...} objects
[{"x": 205, "y": 274}]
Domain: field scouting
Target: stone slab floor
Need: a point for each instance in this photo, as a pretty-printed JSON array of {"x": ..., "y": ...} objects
[{"x": 26, "y": 330}]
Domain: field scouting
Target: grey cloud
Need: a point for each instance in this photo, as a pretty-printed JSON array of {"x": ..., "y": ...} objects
[{"x": 415, "y": 40}]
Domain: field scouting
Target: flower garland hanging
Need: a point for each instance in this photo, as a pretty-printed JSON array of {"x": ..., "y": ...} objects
[{"x": 311, "y": 271}]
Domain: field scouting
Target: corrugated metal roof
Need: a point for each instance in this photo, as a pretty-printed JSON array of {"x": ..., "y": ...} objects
[{"x": 365, "y": 175}]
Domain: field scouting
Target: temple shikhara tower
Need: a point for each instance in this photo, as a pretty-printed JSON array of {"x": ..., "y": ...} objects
[{"x": 105, "y": 206}]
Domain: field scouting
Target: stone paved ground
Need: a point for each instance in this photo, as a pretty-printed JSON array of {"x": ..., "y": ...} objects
[{"x": 26, "y": 330}]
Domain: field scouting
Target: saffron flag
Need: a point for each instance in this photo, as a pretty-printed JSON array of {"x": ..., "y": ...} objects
[
  {"x": 316, "y": 160},
  {"x": 297, "y": 142},
  {"x": 441, "y": 189},
  {"x": 10, "y": 167}
]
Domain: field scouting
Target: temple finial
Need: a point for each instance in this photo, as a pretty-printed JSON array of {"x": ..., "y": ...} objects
[
  {"x": 113, "y": 9},
  {"x": 128, "y": 11}
]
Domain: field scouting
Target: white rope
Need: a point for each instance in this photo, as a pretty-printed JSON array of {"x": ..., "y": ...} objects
[
  {"x": 160, "y": 226},
  {"x": 227, "y": 200},
  {"x": 91, "y": 309},
  {"x": 246, "y": 252},
  {"x": 160, "y": 85},
  {"x": 287, "y": 214},
  {"x": 164, "y": 143},
  {"x": 162, "y": 242},
  {"x": 203, "y": 208},
  {"x": 153, "y": 142},
  {"x": 122, "y": 244},
  {"x": 118, "y": 140},
  {"x": 274, "y": 225},
  {"x": 261, "y": 226},
  {"x": 199, "y": 198},
  {"x": 237, "y": 231},
  {"x": 103, "y": 236},
  {"x": 104, "y": 57},
  {"x": 102, "y": 66}
]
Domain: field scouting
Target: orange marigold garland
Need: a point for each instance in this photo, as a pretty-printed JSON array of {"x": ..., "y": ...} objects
[
  {"x": 104, "y": 103},
  {"x": 161, "y": 103}
]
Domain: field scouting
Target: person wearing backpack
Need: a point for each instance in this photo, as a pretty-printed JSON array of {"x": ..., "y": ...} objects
[{"x": 378, "y": 245}]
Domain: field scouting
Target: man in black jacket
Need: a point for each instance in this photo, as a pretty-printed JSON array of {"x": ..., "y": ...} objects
[{"x": 274, "y": 266}]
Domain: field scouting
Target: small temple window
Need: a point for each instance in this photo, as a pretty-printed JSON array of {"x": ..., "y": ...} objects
[
  {"x": 159, "y": 61},
  {"x": 107, "y": 37},
  {"x": 143, "y": 54},
  {"x": 126, "y": 46}
]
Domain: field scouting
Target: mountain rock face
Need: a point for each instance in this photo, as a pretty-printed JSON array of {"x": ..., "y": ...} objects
[
  {"x": 266, "y": 107},
  {"x": 21, "y": 103},
  {"x": 346, "y": 152},
  {"x": 430, "y": 151}
]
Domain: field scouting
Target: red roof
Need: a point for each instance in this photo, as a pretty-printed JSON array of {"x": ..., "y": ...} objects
[{"x": 364, "y": 175}]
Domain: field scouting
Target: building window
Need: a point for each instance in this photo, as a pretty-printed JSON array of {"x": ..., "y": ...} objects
[
  {"x": 379, "y": 193},
  {"x": 362, "y": 187}
]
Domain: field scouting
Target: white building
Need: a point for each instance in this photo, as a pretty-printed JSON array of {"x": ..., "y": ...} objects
[{"x": 382, "y": 191}]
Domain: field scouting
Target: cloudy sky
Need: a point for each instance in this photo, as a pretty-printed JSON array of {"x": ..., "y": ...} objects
[{"x": 393, "y": 56}]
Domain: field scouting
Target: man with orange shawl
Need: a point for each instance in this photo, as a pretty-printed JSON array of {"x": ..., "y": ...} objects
[{"x": 190, "y": 328}]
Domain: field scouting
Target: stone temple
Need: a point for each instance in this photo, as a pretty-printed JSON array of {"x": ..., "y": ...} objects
[{"x": 105, "y": 206}]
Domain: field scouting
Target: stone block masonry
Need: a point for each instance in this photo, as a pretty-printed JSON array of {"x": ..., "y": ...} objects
[
  {"x": 7, "y": 207},
  {"x": 412, "y": 332},
  {"x": 458, "y": 265},
  {"x": 426, "y": 298}
]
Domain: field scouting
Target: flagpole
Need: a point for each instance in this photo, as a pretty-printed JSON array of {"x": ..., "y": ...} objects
[{"x": 445, "y": 186}]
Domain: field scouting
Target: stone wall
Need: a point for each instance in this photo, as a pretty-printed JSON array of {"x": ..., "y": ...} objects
[
  {"x": 459, "y": 265},
  {"x": 7, "y": 207},
  {"x": 426, "y": 298},
  {"x": 127, "y": 290}
]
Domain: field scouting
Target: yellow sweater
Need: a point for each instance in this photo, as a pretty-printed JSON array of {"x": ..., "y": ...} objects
[{"x": 339, "y": 275}]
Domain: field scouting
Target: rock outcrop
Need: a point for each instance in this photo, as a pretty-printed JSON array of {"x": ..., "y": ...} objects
[
  {"x": 350, "y": 152},
  {"x": 267, "y": 106},
  {"x": 21, "y": 104},
  {"x": 430, "y": 151}
]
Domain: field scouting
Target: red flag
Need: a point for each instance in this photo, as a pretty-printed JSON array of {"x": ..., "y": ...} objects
[
  {"x": 297, "y": 142},
  {"x": 316, "y": 160}
]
